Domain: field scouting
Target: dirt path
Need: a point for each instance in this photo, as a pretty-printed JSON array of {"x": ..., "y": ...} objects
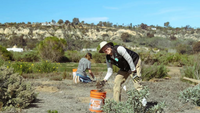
[{"x": 66, "y": 97}]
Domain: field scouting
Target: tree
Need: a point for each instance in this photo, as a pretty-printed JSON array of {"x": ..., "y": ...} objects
[
  {"x": 100, "y": 23},
  {"x": 188, "y": 27},
  {"x": 60, "y": 21},
  {"x": 53, "y": 21},
  {"x": 67, "y": 22},
  {"x": 143, "y": 26},
  {"x": 75, "y": 21},
  {"x": 166, "y": 24},
  {"x": 52, "y": 48}
]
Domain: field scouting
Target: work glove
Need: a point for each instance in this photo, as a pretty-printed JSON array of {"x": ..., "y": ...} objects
[
  {"x": 135, "y": 78},
  {"x": 100, "y": 84},
  {"x": 94, "y": 79}
]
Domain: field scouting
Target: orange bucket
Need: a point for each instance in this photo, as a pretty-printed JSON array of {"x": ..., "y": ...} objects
[{"x": 96, "y": 101}]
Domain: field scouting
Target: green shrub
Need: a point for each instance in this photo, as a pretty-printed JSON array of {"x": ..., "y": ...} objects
[
  {"x": 5, "y": 54},
  {"x": 184, "y": 49},
  {"x": 191, "y": 94},
  {"x": 52, "y": 111},
  {"x": 99, "y": 57},
  {"x": 75, "y": 56},
  {"x": 196, "y": 47},
  {"x": 168, "y": 58},
  {"x": 2, "y": 62},
  {"x": 51, "y": 48},
  {"x": 14, "y": 91},
  {"x": 154, "y": 71},
  {"x": 192, "y": 69},
  {"x": 133, "y": 103},
  {"x": 45, "y": 67},
  {"x": 29, "y": 56},
  {"x": 21, "y": 67}
]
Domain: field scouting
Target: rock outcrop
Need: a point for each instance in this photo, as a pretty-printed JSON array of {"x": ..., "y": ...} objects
[{"x": 86, "y": 33}]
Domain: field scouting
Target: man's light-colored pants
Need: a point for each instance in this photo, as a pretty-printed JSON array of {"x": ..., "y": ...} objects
[{"x": 121, "y": 78}]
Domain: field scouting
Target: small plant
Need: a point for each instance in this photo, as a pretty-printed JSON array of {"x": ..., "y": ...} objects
[
  {"x": 52, "y": 111},
  {"x": 133, "y": 104},
  {"x": 191, "y": 94}
]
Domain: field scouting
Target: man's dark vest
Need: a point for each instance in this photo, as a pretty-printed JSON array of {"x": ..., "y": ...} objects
[{"x": 119, "y": 60}]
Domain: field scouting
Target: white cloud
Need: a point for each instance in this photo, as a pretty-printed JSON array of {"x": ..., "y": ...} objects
[
  {"x": 94, "y": 19},
  {"x": 171, "y": 10}
]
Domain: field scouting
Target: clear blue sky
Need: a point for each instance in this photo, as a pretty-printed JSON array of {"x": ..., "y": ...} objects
[{"x": 178, "y": 13}]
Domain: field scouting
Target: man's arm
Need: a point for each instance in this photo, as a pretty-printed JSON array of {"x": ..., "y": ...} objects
[
  {"x": 122, "y": 51},
  {"x": 90, "y": 71},
  {"x": 109, "y": 71}
]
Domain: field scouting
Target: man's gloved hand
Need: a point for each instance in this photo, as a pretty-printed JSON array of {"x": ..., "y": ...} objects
[
  {"x": 94, "y": 79},
  {"x": 135, "y": 77},
  {"x": 100, "y": 84}
]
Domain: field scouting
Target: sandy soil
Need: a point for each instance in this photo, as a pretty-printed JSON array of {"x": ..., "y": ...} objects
[{"x": 67, "y": 97}]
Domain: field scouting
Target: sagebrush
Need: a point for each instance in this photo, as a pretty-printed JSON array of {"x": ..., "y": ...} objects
[{"x": 14, "y": 91}]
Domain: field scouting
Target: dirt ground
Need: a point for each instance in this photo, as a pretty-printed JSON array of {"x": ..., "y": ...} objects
[{"x": 67, "y": 97}]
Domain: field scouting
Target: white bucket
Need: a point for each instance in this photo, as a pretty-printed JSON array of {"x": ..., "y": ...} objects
[{"x": 75, "y": 78}]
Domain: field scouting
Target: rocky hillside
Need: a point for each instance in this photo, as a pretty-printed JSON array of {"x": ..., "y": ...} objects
[{"x": 93, "y": 33}]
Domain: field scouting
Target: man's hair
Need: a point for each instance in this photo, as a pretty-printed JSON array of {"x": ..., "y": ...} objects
[{"x": 88, "y": 56}]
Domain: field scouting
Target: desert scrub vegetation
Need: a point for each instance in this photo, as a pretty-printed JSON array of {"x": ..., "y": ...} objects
[
  {"x": 165, "y": 58},
  {"x": 154, "y": 71},
  {"x": 33, "y": 67},
  {"x": 192, "y": 70},
  {"x": 14, "y": 91},
  {"x": 191, "y": 94},
  {"x": 99, "y": 57},
  {"x": 5, "y": 54},
  {"x": 133, "y": 104},
  {"x": 196, "y": 47},
  {"x": 27, "y": 56},
  {"x": 51, "y": 48},
  {"x": 74, "y": 56}
]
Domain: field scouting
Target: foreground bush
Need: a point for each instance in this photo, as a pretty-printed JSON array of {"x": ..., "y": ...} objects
[
  {"x": 14, "y": 92},
  {"x": 51, "y": 48},
  {"x": 133, "y": 104},
  {"x": 191, "y": 94},
  {"x": 154, "y": 71}
]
